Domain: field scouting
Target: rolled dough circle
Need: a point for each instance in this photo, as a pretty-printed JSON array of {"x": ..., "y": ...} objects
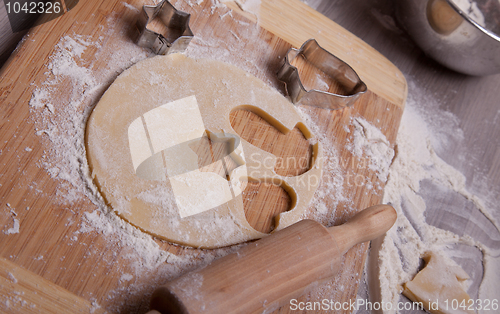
[{"x": 215, "y": 89}]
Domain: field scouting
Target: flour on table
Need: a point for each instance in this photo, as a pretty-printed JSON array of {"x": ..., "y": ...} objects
[
  {"x": 15, "y": 222},
  {"x": 94, "y": 306},
  {"x": 126, "y": 277},
  {"x": 66, "y": 160},
  {"x": 60, "y": 121},
  {"x": 401, "y": 249},
  {"x": 11, "y": 277},
  {"x": 15, "y": 228},
  {"x": 250, "y": 6},
  {"x": 331, "y": 192},
  {"x": 131, "y": 7},
  {"x": 371, "y": 142}
]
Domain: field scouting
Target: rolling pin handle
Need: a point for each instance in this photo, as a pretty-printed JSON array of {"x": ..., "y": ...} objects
[{"x": 366, "y": 225}]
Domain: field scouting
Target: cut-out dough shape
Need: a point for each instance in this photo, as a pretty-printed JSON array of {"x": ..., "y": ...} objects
[
  {"x": 438, "y": 285},
  {"x": 120, "y": 144}
]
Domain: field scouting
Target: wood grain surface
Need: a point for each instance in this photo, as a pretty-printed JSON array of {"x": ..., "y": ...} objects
[
  {"x": 92, "y": 267},
  {"x": 30, "y": 293}
]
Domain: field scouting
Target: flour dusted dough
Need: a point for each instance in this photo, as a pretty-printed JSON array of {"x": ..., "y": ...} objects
[
  {"x": 123, "y": 163},
  {"x": 438, "y": 283}
]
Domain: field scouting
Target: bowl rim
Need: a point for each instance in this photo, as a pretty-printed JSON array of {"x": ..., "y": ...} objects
[{"x": 474, "y": 23}]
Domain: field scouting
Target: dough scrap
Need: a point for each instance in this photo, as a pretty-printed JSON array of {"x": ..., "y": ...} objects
[
  {"x": 129, "y": 138},
  {"x": 439, "y": 282}
]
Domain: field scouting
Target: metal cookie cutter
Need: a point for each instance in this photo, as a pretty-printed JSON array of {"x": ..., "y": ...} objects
[
  {"x": 330, "y": 65},
  {"x": 174, "y": 34}
]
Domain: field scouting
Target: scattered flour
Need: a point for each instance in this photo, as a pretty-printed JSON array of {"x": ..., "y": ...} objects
[
  {"x": 400, "y": 251},
  {"x": 94, "y": 306},
  {"x": 126, "y": 277},
  {"x": 15, "y": 227},
  {"x": 63, "y": 126},
  {"x": 65, "y": 130},
  {"x": 371, "y": 142},
  {"x": 60, "y": 121},
  {"x": 11, "y": 277},
  {"x": 250, "y": 6},
  {"x": 16, "y": 300},
  {"x": 331, "y": 192},
  {"x": 16, "y": 224},
  {"x": 131, "y": 7},
  {"x": 489, "y": 286}
]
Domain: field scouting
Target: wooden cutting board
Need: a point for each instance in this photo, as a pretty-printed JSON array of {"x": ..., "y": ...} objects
[{"x": 89, "y": 274}]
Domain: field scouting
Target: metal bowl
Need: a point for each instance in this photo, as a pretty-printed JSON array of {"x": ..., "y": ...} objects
[{"x": 465, "y": 40}]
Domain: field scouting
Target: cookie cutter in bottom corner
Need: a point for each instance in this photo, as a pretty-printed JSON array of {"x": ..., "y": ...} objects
[
  {"x": 177, "y": 33},
  {"x": 331, "y": 66}
]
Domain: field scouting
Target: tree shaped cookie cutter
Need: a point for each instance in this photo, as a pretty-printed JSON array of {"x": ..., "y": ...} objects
[
  {"x": 331, "y": 66},
  {"x": 175, "y": 33}
]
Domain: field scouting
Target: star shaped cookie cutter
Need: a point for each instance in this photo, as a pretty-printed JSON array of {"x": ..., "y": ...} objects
[
  {"x": 163, "y": 28},
  {"x": 326, "y": 63}
]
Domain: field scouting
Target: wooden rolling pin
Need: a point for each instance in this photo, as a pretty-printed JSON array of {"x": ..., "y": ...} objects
[{"x": 268, "y": 273}]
